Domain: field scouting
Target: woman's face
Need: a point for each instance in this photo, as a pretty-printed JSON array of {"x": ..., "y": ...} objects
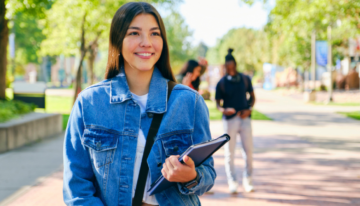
[
  {"x": 196, "y": 73},
  {"x": 143, "y": 44}
]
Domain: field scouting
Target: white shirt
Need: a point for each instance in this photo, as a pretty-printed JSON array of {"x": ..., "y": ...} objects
[{"x": 141, "y": 101}]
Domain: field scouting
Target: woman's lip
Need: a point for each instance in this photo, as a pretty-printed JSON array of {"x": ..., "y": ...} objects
[{"x": 144, "y": 57}]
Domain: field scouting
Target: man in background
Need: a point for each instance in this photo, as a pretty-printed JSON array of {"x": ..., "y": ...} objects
[{"x": 236, "y": 109}]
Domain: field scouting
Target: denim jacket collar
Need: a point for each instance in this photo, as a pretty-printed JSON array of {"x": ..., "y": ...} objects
[{"x": 157, "y": 98}]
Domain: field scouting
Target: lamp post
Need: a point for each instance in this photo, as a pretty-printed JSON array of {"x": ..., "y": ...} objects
[
  {"x": 329, "y": 65},
  {"x": 313, "y": 59}
]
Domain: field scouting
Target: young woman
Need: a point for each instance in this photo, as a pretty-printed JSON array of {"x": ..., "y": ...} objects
[
  {"x": 190, "y": 75},
  {"x": 109, "y": 123}
]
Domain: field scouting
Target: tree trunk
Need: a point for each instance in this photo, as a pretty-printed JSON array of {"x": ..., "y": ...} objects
[
  {"x": 83, "y": 51},
  {"x": 93, "y": 49},
  {"x": 4, "y": 35}
]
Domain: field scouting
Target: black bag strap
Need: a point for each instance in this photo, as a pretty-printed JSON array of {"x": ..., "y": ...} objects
[
  {"x": 246, "y": 81},
  {"x": 144, "y": 169}
]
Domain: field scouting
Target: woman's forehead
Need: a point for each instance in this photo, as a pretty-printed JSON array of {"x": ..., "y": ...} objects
[{"x": 144, "y": 21}]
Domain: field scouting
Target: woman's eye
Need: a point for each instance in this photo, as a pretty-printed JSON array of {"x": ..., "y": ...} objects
[
  {"x": 155, "y": 34},
  {"x": 133, "y": 33}
]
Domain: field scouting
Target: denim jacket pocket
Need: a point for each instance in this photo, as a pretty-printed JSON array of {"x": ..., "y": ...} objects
[
  {"x": 176, "y": 144},
  {"x": 102, "y": 145}
]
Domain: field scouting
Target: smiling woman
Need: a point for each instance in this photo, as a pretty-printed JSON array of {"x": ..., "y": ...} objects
[
  {"x": 108, "y": 159},
  {"x": 153, "y": 33}
]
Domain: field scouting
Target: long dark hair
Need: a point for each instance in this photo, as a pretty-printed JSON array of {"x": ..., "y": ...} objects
[
  {"x": 119, "y": 26},
  {"x": 189, "y": 67}
]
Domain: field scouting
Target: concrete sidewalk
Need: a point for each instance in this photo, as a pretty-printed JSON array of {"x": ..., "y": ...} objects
[
  {"x": 25, "y": 167},
  {"x": 308, "y": 155},
  {"x": 306, "y": 120},
  {"x": 290, "y": 170}
]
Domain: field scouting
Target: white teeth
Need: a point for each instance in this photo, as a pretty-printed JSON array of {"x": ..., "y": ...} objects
[{"x": 144, "y": 54}]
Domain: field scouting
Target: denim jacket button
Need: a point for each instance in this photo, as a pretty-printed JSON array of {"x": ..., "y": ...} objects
[
  {"x": 176, "y": 148},
  {"x": 150, "y": 115},
  {"x": 98, "y": 144}
]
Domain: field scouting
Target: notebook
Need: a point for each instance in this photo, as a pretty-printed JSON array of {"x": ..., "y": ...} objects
[{"x": 198, "y": 153}]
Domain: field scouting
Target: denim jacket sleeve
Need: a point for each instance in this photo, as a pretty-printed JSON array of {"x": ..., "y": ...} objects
[
  {"x": 201, "y": 133},
  {"x": 78, "y": 186}
]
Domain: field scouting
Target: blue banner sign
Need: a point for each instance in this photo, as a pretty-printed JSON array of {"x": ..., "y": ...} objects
[{"x": 321, "y": 53}]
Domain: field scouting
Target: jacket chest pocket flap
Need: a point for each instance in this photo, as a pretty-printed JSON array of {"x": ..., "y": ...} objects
[
  {"x": 102, "y": 145},
  {"x": 176, "y": 144}
]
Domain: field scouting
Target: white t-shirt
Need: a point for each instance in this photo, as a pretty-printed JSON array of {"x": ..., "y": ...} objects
[{"x": 141, "y": 101}]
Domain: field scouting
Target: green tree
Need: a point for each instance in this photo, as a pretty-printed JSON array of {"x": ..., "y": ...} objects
[
  {"x": 77, "y": 28},
  {"x": 251, "y": 49},
  {"x": 292, "y": 22},
  {"x": 178, "y": 36},
  {"x": 7, "y": 11}
]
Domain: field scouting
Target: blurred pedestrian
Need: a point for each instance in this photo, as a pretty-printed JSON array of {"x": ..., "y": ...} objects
[
  {"x": 190, "y": 75},
  {"x": 125, "y": 132},
  {"x": 232, "y": 89}
]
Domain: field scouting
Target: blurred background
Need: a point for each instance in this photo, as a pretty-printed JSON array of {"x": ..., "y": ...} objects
[{"x": 303, "y": 57}]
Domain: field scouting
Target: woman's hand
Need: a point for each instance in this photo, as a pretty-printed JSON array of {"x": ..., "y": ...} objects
[
  {"x": 187, "y": 79},
  {"x": 174, "y": 171}
]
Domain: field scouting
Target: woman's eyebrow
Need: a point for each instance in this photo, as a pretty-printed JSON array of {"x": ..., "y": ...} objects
[
  {"x": 138, "y": 28},
  {"x": 154, "y": 28},
  {"x": 134, "y": 27}
]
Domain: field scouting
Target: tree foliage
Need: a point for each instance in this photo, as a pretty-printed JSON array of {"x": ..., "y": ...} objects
[
  {"x": 251, "y": 49},
  {"x": 7, "y": 11},
  {"x": 27, "y": 43},
  {"x": 178, "y": 37},
  {"x": 294, "y": 21},
  {"x": 74, "y": 27},
  {"x": 286, "y": 39}
]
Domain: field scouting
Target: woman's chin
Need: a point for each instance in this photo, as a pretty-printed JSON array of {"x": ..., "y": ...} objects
[{"x": 145, "y": 68}]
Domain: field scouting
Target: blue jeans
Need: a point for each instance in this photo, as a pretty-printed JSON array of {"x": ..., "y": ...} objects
[{"x": 232, "y": 127}]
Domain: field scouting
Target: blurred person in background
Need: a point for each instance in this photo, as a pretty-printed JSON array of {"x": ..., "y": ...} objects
[
  {"x": 190, "y": 74},
  {"x": 232, "y": 89}
]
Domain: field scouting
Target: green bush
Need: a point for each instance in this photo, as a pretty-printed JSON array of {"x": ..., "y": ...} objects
[{"x": 12, "y": 109}]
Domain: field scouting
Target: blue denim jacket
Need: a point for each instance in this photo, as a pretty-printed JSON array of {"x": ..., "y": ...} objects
[{"x": 101, "y": 138}]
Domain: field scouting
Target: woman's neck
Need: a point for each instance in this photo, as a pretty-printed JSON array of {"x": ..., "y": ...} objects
[{"x": 138, "y": 81}]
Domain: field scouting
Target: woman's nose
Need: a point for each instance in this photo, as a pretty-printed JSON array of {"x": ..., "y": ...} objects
[{"x": 145, "y": 41}]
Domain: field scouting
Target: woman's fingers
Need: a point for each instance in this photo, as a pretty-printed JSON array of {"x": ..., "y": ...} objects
[
  {"x": 174, "y": 160},
  {"x": 168, "y": 164},
  {"x": 175, "y": 171},
  {"x": 163, "y": 172}
]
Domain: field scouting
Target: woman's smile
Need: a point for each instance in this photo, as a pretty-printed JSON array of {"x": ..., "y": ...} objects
[{"x": 144, "y": 55}]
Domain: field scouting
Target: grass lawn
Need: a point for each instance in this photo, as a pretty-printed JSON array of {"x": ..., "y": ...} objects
[
  {"x": 65, "y": 120},
  {"x": 337, "y": 104},
  {"x": 9, "y": 93},
  {"x": 353, "y": 115},
  {"x": 53, "y": 104},
  {"x": 63, "y": 105},
  {"x": 216, "y": 115},
  {"x": 57, "y": 104}
]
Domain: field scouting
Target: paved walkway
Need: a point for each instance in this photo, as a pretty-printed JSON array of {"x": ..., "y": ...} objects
[
  {"x": 307, "y": 156},
  {"x": 28, "y": 166}
]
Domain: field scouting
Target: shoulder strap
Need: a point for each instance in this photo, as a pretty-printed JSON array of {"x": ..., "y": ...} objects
[
  {"x": 222, "y": 85},
  {"x": 144, "y": 169},
  {"x": 246, "y": 81}
]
